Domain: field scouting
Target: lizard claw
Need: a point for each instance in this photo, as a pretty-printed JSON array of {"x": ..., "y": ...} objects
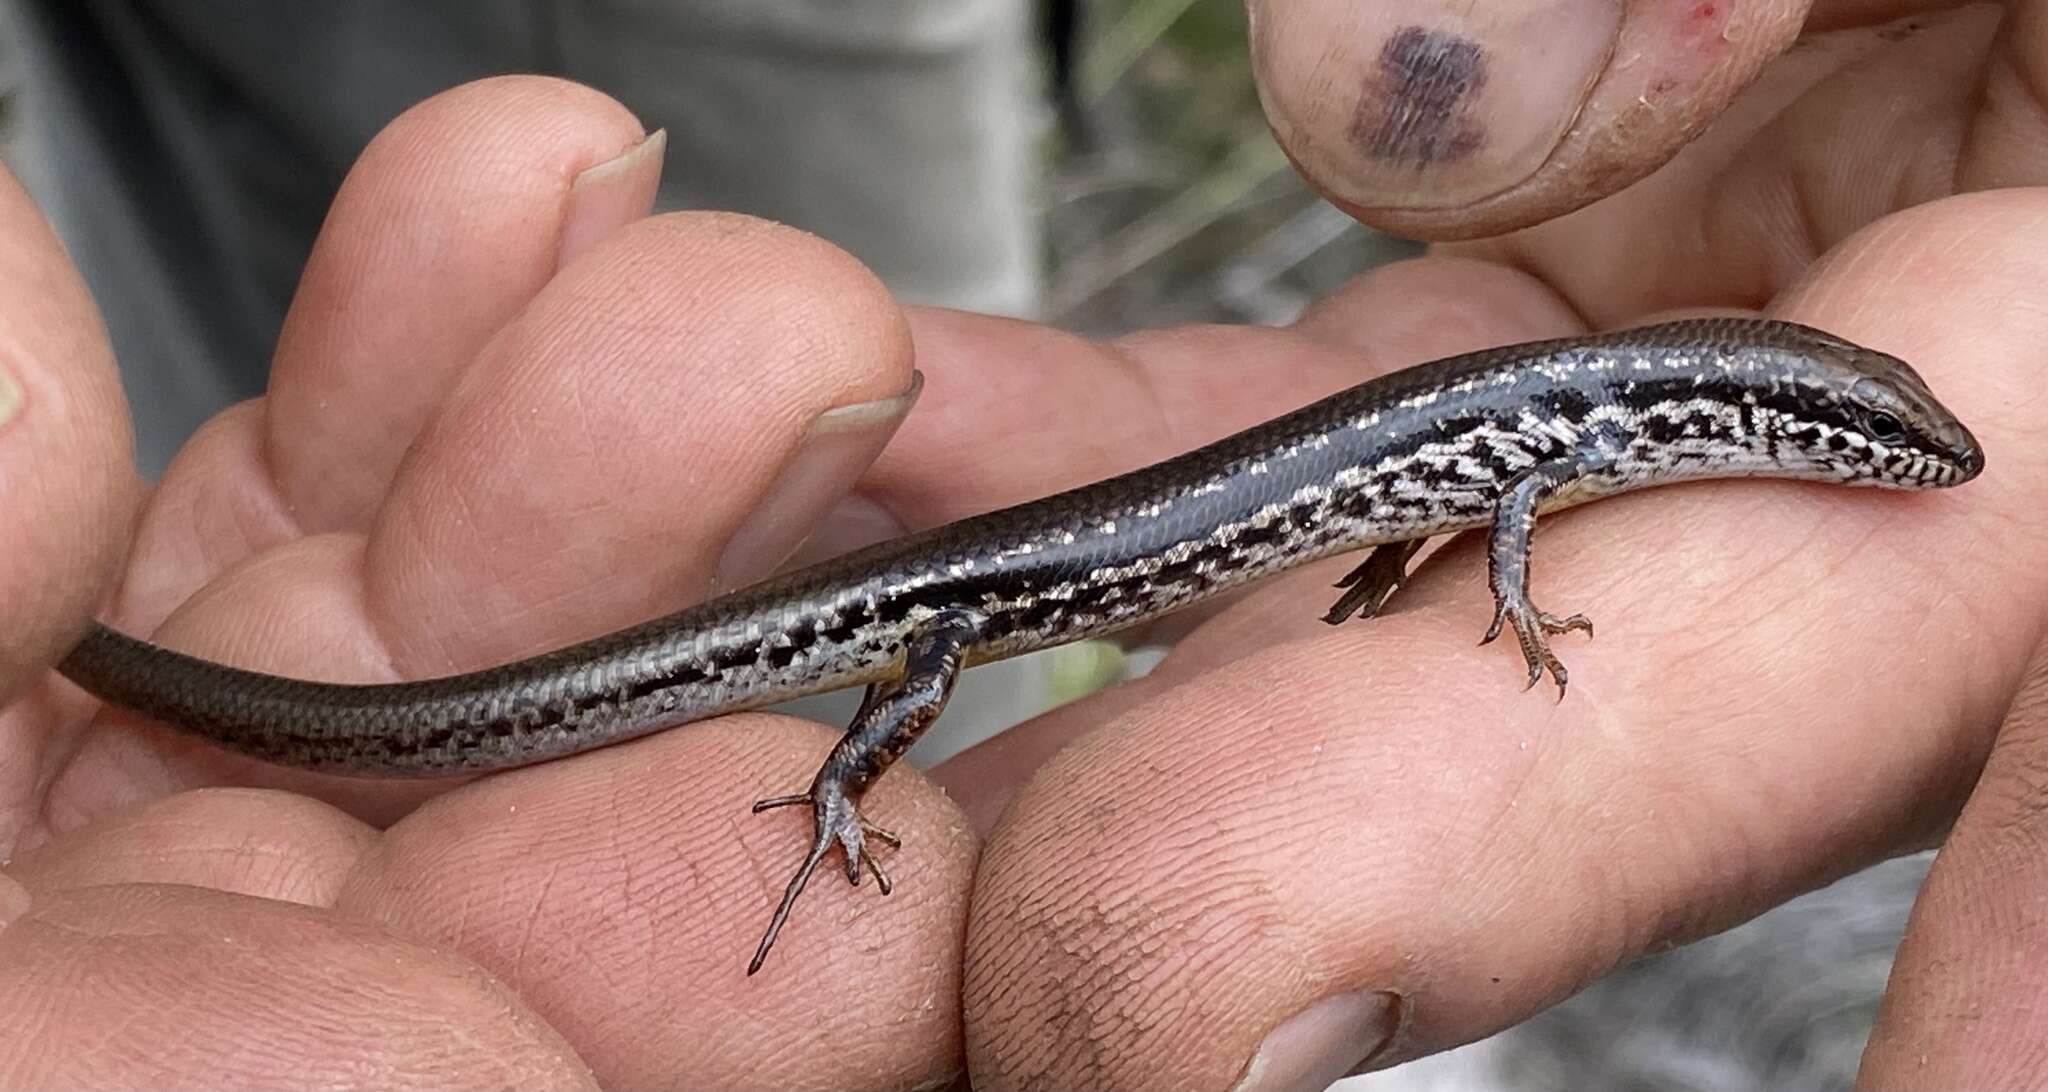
[
  {"x": 838, "y": 821},
  {"x": 1373, "y": 582},
  {"x": 1533, "y": 629}
]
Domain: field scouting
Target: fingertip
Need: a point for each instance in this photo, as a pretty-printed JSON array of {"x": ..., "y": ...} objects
[
  {"x": 1416, "y": 103},
  {"x": 449, "y": 221},
  {"x": 623, "y": 890},
  {"x": 616, "y": 436},
  {"x": 168, "y": 986},
  {"x": 262, "y": 843}
]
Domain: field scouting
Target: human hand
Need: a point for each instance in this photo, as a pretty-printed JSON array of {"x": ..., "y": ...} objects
[
  {"x": 504, "y": 416},
  {"x": 1160, "y": 835}
]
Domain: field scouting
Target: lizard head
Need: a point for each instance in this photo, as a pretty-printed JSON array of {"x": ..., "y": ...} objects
[{"x": 1864, "y": 417}]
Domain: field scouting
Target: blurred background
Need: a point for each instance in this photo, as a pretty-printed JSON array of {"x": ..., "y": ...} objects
[{"x": 1102, "y": 165}]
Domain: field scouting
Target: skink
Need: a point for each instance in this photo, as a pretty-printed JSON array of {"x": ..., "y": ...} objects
[{"x": 1487, "y": 439}]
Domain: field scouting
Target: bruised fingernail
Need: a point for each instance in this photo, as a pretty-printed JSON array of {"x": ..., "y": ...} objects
[
  {"x": 14, "y": 901},
  {"x": 1324, "y": 1043},
  {"x": 610, "y": 195},
  {"x": 838, "y": 447},
  {"x": 1414, "y": 104}
]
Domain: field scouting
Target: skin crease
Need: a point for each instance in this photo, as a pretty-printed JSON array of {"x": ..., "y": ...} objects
[{"x": 1374, "y": 806}]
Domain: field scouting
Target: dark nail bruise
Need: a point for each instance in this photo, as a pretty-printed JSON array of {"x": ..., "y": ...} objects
[{"x": 1416, "y": 108}]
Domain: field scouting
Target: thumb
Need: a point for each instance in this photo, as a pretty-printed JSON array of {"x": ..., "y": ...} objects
[{"x": 1460, "y": 118}]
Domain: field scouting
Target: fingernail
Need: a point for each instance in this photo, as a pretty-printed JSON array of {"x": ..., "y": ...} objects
[
  {"x": 610, "y": 195},
  {"x": 850, "y": 524},
  {"x": 14, "y": 901},
  {"x": 1422, "y": 104},
  {"x": 1324, "y": 1043},
  {"x": 839, "y": 446}
]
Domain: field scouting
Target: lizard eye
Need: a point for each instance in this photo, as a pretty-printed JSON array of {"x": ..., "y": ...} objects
[{"x": 1883, "y": 427}]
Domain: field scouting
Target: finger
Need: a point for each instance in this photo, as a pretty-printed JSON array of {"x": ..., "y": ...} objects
[
  {"x": 260, "y": 994},
  {"x": 449, "y": 223},
  {"x": 456, "y": 216},
  {"x": 1355, "y": 845},
  {"x": 668, "y": 421},
  {"x": 1963, "y": 1006},
  {"x": 1437, "y": 120},
  {"x": 622, "y": 892},
  {"x": 269, "y": 845}
]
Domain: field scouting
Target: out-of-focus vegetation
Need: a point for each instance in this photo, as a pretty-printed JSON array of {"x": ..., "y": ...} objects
[{"x": 1170, "y": 201}]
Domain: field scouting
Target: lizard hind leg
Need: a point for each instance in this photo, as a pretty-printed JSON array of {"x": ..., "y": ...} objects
[
  {"x": 1374, "y": 581},
  {"x": 891, "y": 718},
  {"x": 837, "y": 819},
  {"x": 1507, "y": 565}
]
